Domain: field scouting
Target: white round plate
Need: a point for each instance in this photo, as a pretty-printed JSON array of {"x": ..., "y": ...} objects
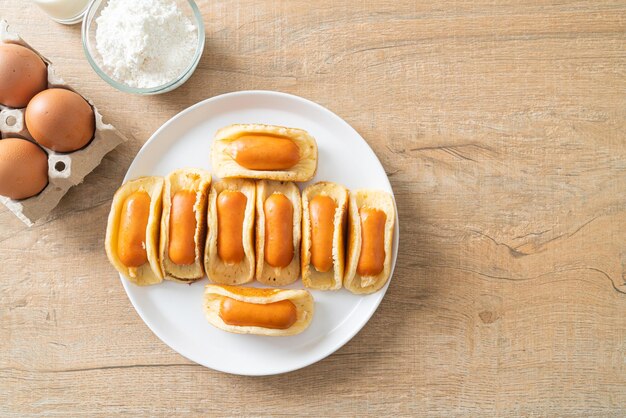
[{"x": 173, "y": 311}]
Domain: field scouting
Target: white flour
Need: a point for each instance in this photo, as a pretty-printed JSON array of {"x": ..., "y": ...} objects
[{"x": 144, "y": 43}]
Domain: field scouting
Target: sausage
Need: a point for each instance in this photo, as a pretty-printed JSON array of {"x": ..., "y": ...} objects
[
  {"x": 322, "y": 209},
  {"x": 276, "y": 315},
  {"x": 182, "y": 244},
  {"x": 131, "y": 240},
  {"x": 372, "y": 256},
  {"x": 278, "y": 230},
  {"x": 265, "y": 152},
  {"x": 231, "y": 211}
]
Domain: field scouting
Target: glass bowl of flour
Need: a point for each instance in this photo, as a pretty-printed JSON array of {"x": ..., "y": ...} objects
[{"x": 143, "y": 46}]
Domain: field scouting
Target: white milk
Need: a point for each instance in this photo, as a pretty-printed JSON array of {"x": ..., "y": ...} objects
[{"x": 64, "y": 11}]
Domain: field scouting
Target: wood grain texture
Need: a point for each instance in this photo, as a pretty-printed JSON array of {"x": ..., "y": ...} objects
[{"x": 502, "y": 127}]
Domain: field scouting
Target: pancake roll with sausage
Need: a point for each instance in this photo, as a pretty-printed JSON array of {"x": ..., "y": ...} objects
[
  {"x": 132, "y": 235},
  {"x": 264, "y": 152},
  {"x": 370, "y": 238},
  {"x": 229, "y": 252},
  {"x": 279, "y": 215},
  {"x": 324, "y": 218},
  {"x": 248, "y": 310},
  {"x": 183, "y": 224}
]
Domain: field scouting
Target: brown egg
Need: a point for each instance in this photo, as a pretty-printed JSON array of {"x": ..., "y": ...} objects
[
  {"x": 23, "y": 168},
  {"x": 22, "y": 75},
  {"x": 60, "y": 119}
]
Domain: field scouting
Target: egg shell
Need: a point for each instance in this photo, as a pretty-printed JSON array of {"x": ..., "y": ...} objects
[
  {"x": 60, "y": 119},
  {"x": 23, "y": 74},
  {"x": 64, "y": 170},
  {"x": 23, "y": 168}
]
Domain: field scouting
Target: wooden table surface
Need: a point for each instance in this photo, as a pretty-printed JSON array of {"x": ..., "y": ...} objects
[{"x": 501, "y": 125}]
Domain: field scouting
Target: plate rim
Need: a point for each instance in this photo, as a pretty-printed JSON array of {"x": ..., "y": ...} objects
[{"x": 380, "y": 294}]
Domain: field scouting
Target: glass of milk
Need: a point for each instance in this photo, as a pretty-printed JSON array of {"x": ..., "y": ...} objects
[{"x": 67, "y": 12}]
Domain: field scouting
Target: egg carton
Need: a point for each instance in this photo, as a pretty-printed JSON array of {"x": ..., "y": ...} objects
[{"x": 64, "y": 169}]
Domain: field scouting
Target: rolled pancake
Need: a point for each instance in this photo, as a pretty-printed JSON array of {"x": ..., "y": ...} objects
[
  {"x": 150, "y": 272},
  {"x": 217, "y": 270},
  {"x": 225, "y": 165},
  {"x": 198, "y": 181},
  {"x": 302, "y": 299},
  {"x": 265, "y": 273},
  {"x": 332, "y": 279},
  {"x": 377, "y": 200}
]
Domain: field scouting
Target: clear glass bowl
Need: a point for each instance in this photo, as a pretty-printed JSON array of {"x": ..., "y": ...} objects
[{"x": 187, "y": 7}]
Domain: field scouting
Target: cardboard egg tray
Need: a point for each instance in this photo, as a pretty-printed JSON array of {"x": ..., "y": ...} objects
[{"x": 64, "y": 169}]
